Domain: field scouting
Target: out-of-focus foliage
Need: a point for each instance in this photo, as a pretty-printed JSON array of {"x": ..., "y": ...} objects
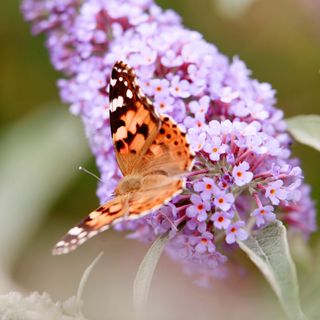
[
  {"x": 232, "y": 9},
  {"x": 39, "y": 156},
  {"x": 306, "y": 130}
]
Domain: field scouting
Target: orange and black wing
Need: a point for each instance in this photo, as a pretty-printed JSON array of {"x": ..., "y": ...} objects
[
  {"x": 97, "y": 221},
  {"x": 169, "y": 152},
  {"x": 154, "y": 193},
  {"x": 133, "y": 119}
]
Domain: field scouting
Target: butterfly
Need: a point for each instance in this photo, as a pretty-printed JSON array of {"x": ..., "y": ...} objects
[{"x": 152, "y": 153}]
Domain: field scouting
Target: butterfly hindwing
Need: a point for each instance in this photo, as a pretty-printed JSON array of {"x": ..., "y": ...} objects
[
  {"x": 133, "y": 120},
  {"x": 169, "y": 152},
  {"x": 133, "y": 206}
]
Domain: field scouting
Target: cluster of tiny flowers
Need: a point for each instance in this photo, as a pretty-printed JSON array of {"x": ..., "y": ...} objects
[{"x": 243, "y": 177}]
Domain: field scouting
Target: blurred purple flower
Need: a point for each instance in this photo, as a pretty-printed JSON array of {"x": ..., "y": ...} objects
[
  {"x": 241, "y": 174},
  {"x": 263, "y": 215},
  {"x": 221, "y": 220},
  {"x": 198, "y": 209},
  {"x": 236, "y": 232},
  {"x": 206, "y": 187},
  {"x": 239, "y": 136},
  {"x": 276, "y": 192}
]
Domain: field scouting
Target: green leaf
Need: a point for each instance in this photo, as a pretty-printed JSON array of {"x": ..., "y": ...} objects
[
  {"x": 40, "y": 154},
  {"x": 269, "y": 250},
  {"x": 84, "y": 280},
  {"x": 306, "y": 129},
  {"x": 144, "y": 275}
]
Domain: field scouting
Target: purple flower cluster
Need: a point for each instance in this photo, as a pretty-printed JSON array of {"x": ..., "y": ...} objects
[{"x": 243, "y": 176}]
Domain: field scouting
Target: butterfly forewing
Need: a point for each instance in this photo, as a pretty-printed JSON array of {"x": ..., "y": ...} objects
[{"x": 133, "y": 120}]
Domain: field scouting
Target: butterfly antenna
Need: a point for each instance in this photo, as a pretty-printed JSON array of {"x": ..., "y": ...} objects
[{"x": 89, "y": 173}]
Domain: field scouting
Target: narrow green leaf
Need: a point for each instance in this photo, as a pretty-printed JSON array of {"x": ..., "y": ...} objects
[
  {"x": 142, "y": 282},
  {"x": 84, "y": 280},
  {"x": 86, "y": 275},
  {"x": 269, "y": 250},
  {"x": 306, "y": 129}
]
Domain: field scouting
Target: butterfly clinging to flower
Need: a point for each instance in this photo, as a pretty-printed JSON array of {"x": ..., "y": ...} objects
[{"x": 152, "y": 153}]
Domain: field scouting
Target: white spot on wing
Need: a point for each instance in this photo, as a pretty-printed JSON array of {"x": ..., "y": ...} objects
[
  {"x": 129, "y": 94},
  {"x": 81, "y": 241},
  {"x": 120, "y": 102},
  {"x": 82, "y": 235},
  {"x": 60, "y": 243},
  {"x": 92, "y": 233},
  {"x": 75, "y": 231},
  {"x": 116, "y": 103},
  {"x": 113, "y": 82},
  {"x": 106, "y": 227}
]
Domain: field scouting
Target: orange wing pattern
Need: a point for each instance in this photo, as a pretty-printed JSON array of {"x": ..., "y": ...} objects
[
  {"x": 152, "y": 152},
  {"x": 133, "y": 206},
  {"x": 133, "y": 120},
  {"x": 169, "y": 152}
]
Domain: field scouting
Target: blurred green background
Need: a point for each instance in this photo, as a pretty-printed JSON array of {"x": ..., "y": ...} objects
[{"x": 42, "y": 193}]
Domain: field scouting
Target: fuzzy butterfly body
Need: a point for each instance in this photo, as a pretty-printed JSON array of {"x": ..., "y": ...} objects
[{"x": 152, "y": 153}]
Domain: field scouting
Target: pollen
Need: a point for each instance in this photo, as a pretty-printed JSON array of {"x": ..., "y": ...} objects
[
  {"x": 239, "y": 174},
  {"x": 204, "y": 241},
  {"x": 200, "y": 207},
  {"x": 208, "y": 186},
  {"x": 221, "y": 200}
]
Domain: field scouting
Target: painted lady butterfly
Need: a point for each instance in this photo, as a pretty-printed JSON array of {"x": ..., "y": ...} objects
[{"x": 152, "y": 153}]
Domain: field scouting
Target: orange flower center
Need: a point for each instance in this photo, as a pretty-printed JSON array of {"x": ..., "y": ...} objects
[
  {"x": 204, "y": 241},
  {"x": 208, "y": 186},
  {"x": 221, "y": 200},
  {"x": 200, "y": 207},
  {"x": 239, "y": 174}
]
